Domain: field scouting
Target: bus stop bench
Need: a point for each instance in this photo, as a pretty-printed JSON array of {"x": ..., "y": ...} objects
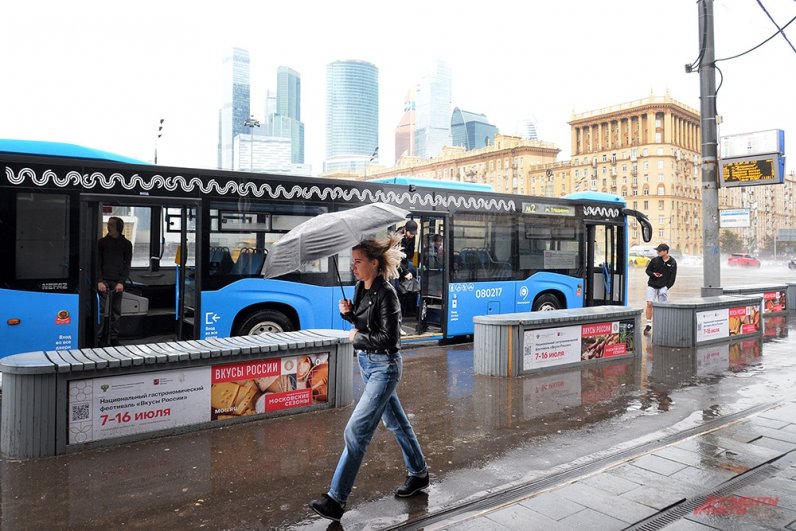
[
  {"x": 59, "y": 401},
  {"x": 522, "y": 343}
]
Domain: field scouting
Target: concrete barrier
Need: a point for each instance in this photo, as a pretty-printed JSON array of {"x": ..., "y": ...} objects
[
  {"x": 522, "y": 343},
  {"x": 775, "y": 296},
  {"x": 705, "y": 320},
  {"x": 59, "y": 401}
]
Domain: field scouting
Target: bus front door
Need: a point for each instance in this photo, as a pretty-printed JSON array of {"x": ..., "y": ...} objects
[
  {"x": 159, "y": 298},
  {"x": 432, "y": 269},
  {"x": 606, "y": 265}
]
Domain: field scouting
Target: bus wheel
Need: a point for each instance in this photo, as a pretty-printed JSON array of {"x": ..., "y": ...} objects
[
  {"x": 264, "y": 321},
  {"x": 547, "y": 302}
]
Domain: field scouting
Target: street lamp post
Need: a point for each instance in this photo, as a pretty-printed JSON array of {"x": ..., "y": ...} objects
[
  {"x": 251, "y": 123},
  {"x": 372, "y": 158},
  {"x": 160, "y": 134}
]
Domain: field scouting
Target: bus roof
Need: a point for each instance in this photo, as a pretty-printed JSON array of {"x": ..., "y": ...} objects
[
  {"x": 596, "y": 196},
  {"x": 60, "y": 149},
  {"x": 434, "y": 183}
]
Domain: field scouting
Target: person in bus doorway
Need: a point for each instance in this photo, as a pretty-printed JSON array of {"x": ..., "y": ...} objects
[
  {"x": 376, "y": 316},
  {"x": 114, "y": 255},
  {"x": 662, "y": 272},
  {"x": 407, "y": 283}
]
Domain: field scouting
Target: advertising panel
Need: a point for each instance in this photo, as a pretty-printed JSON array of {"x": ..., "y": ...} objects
[
  {"x": 744, "y": 320},
  {"x": 557, "y": 346},
  {"x": 712, "y": 324},
  {"x": 264, "y": 386},
  {"x": 735, "y": 218},
  {"x": 102, "y": 408},
  {"x": 774, "y": 302}
]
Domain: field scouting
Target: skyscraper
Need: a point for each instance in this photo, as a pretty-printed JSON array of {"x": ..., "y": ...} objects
[
  {"x": 471, "y": 130},
  {"x": 285, "y": 120},
  {"x": 352, "y": 115},
  {"x": 526, "y": 129},
  {"x": 405, "y": 132},
  {"x": 236, "y": 106},
  {"x": 433, "y": 112}
]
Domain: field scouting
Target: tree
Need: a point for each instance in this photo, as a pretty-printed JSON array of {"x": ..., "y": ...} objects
[{"x": 730, "y": 242}]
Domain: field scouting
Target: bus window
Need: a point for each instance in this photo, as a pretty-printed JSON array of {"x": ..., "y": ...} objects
[
  {"x": 42, "y": 236},
  {"x": 550, "y": 244},
  {"x": 137, "y": 221},
  {"x": 482, "y": 248}
]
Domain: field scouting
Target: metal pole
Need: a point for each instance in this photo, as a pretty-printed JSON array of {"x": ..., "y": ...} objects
[{"x": 711, "y": 251}]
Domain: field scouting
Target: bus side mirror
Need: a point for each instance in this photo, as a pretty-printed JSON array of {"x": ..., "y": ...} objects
[{"x": 644, "y": 221}]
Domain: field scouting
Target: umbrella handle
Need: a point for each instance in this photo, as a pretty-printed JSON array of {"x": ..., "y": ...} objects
[{"x": 340, "y": 280}]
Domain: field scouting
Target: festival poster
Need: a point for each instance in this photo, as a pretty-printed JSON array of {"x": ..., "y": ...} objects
[
  {"x": 744, "y": 320},
  {"x": 774, "y": 302},
  {"x": 265, "y": 386},
  {"x": 712, "y": 324},
  {"x": 549, "y": 347},
  {"x": 606, "y": 340}
]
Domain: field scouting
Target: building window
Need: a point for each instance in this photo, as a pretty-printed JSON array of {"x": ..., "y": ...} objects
[
  {"x": 660, "y": 177},
  {"x": 577, "y": 173},
  {"x": 661, "y": 219},
  {"x": 660, "y": 233},
  {"x": 605, "y": 157},
  {"x": 646, "y": 165},
  {"x": 660, "y": 151},
  {"x": 660, "y": 204},
  {"x": 646, "y": 205},
  {"x": 644, "y": 152},
  {"x": 661, "y": 189}
]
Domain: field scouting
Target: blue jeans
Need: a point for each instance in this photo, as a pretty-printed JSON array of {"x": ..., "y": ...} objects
[{"x": 381, "y": 374}]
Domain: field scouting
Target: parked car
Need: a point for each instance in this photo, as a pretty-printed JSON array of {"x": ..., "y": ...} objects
[
  {"x": 743, "y": 260},
  {"x": 638, "y": 260},
  {"x": 792, "y": 263}
]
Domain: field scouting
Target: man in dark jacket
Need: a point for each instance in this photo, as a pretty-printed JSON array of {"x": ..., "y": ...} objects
[
  {"x": 662, "y": 272},
  {"x": 114, "y": 255}
]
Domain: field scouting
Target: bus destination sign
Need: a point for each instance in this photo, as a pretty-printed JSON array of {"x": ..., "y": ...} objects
[
  {"x": 749, "y": 171},
  {"x": 548, "y": 209}
]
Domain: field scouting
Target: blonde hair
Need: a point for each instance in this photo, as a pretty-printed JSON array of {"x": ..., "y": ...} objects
[{"x": 387, "y": 251}]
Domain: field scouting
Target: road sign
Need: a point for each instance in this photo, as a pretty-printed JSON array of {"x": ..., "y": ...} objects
[
  {"x": 748, "y": 144},
  {"x": 786, "y": 235},
  {"x": 735, "y": 218},
  {"x": 749, "y": 171}
]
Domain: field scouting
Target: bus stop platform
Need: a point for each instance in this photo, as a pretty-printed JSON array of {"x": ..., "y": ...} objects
[{"x": 614, "y": 445}]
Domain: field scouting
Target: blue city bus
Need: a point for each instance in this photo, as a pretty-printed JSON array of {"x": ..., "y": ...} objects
[{"x": 200, "y": 238}]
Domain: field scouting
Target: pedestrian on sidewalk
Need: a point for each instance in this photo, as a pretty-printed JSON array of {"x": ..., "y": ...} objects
[
  {"x": 376, "y": 316},
  {"x": 662, "y": 272}
]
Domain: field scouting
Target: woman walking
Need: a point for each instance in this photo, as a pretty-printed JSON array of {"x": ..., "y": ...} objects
[{"x": 376, "y": 316}]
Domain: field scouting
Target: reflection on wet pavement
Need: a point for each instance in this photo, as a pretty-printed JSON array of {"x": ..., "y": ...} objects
[{"x": 479, "y": 434}]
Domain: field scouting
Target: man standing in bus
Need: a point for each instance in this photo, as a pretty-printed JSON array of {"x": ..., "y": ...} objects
[
  {"x": 662, "y": 272},
  {"x": 114, "y": 255}
]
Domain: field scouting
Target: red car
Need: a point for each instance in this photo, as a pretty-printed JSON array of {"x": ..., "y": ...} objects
[{"x": 743, "y": 260}]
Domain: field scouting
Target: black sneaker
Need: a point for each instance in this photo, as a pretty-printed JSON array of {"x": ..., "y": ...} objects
[
  {"x": 647, "y": 330},
  {"x": 328, "y": 508},
  {"x": 412, "y": 486}
]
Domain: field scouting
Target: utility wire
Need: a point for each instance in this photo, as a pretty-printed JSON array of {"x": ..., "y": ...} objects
[
  {"x": 759, "y": 45},
  {"x": 703, "y": 36},
  {"x": 775, "y": 23}
]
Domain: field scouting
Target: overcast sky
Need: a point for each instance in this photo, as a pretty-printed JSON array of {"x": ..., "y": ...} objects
[{"x": 101, "y": 74}]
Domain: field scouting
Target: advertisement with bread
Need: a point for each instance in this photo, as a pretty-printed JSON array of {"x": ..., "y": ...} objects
[{"x": 264, "y": 386}]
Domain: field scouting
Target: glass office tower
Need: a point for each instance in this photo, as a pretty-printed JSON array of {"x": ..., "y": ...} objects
[
  {"x": 433, "y": 112},
  {"x": 471, "y": 130},
  {"x": 235, "y": 108},
  {"x": 352, "y": 115}
]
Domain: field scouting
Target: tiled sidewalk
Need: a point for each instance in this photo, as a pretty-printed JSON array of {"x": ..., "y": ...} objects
[{"x": 640, "y": 488}]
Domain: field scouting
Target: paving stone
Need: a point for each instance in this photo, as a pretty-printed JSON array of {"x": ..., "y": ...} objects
[
  {"x": 666, "y": 467},
  {"x": 685, "y": 457},
  {"x": 657, "y": 481},
  {"x": 521, "y": 518},
  {"x": 552, "y": 505},
  {"x": 784, "y": 414},
  {"x": 657, "y": 497},
  {"x": 614, "y": 506},
  {"x": 768, "y": 423},
  {"x": 687, "y": 525},
  {"x": 782, "y": 489},
  {"x": 590, "y": 519},
  {"x": 775, "y": 444},
  {"x": 756, "y": 518},
  {"x": 610, "y": 484},
  {"x": 707, "y": 478},
  {"x": 475, "y": 524},
  {"x": 780, "y": 435},
  {"x": 788, "y": 427},
  {"x": 747, "y": 454}
]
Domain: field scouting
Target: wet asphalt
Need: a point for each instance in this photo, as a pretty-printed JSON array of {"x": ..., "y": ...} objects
[{"x": 479, "y": 434}]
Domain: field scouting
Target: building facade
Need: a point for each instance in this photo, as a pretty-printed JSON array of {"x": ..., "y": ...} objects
[
  {"x": 405, "y": 132},
  {"x": 286, "y": 121},
  {"x": 433, "y": 112},
  {"x": 236, "y": 104},
  {"x": 352, "y": 115},
  {"x": 471, "y": 130},
  {"x": 503, "y": 164},
  {"x": 647, "y": 151}
]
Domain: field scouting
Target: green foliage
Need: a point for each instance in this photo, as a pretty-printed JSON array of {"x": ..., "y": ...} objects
[{"x": 730, "y": 242}]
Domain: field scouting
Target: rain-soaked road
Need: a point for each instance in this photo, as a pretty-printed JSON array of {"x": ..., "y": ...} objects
[{"x": 479, "y": 434}]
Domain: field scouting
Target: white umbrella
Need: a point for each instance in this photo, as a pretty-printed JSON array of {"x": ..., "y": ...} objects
[{"x": 328, "y": 234}]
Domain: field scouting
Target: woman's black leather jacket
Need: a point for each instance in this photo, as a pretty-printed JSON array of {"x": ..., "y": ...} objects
[{"x": 377, "y": 317}]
